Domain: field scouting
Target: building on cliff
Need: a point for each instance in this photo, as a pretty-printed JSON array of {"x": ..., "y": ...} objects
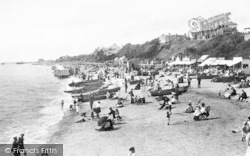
[{"x": 211, "y": 27}]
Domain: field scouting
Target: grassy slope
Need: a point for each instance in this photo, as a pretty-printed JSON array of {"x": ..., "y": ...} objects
[{"x": 221, "y": 46}]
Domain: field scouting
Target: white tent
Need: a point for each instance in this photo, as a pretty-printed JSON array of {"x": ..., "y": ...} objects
[
  {"x": 202, "y": 58},
  {"x": 208, "y": 62}
]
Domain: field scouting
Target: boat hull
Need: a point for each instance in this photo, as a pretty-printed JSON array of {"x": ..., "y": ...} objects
[{"x": 169, "y": 91}]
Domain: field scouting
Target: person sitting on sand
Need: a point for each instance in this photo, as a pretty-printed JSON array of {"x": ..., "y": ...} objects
[
  {"x": 231, "y": 91},
  {"x": 245, "y": 130},
  {"x": 243, "y": 96},
  {"x": 165, "y": 101},
  {"x": 197, "y": 113},
  {"x": 190, "y": 108},
  {"x": 136, "y": 99},
  {"x": 111, "y": 114},
  {"x": 174, "y": 100},
  {"x": 117, "y": 113},
  {"x": 119, "y": 103},
  {"x": 82, "y": 118}
]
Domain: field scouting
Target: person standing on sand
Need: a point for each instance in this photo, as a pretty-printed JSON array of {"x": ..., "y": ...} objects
[
  {"x": 189, "y": 81},
  {"x": 131, "y": 96},
  {"x": 97, "y": 109},
  {"x": 126, "y": 85},
  {"x": 91, "y": 102},
  {"x": 74, "y": 104},
  {"x": 77, "y": 108},
  {"x": 62, "y": 103},
  {"x": 199, "y": 81},
  {"x": 168, "y": 115}
]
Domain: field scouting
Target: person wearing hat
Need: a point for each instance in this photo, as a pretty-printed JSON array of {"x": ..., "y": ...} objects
[
  {"x": 132, "y": 150},
  {"x": 15, "y": 147}
]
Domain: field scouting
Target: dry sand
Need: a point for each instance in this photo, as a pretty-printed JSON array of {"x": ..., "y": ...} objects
[{"x": 145, "y": 127}]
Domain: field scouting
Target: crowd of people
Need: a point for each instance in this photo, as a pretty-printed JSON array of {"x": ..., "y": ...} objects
[{"x": 106, "y": 121}]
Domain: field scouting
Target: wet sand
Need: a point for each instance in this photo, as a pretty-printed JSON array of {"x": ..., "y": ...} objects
[{"x": 145, "y": 127}]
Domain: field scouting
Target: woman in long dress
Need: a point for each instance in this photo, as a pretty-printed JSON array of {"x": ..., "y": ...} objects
[{"x": 77, "y": 108}]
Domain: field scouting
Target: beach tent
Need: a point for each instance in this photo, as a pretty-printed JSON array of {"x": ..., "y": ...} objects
[
  {"x": 219, "y": 61},
  {"x": 202, "y": 58},
  {"x": 208, "y": 62}
]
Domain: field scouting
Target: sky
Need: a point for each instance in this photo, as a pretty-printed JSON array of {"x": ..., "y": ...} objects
[{"x": 47, "y": 29}]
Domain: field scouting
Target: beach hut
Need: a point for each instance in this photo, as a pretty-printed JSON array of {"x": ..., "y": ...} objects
[{"x": 60, "y": 71}]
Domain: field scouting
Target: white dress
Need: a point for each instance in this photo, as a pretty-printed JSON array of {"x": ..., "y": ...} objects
[{"x": 77, "y": 108}]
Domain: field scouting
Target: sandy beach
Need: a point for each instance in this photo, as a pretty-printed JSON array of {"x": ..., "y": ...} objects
[{"x": 145, "y": 127}]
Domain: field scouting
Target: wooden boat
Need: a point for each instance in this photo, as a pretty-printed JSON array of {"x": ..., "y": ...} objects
[
  {"x": 208, "y": 76},
  {"x": 96, "y": 97},
  {"x": 169, "y": 91},
  {"x": 229, "y": 78},
  {"x": 97, "y": 94},
  {"x": 83, "y": 83},
  {"x": 135, "y": 82},
  {"x": 86, "y": 88}
]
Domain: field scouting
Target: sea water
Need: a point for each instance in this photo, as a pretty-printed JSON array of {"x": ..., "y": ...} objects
[{"x": 30, "y": 102}]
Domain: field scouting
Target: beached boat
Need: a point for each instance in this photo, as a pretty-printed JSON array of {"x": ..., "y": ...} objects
[
  {"x": 83, "y": 83},
  {"x": 97, "y": 94},
  {"x": 208, "y": 76},
  {"x": 86, "y": 88},
  {"x": 135, "y": 82},
  {"x": 229, "y": 78},
  {"x": 169, "y": 91}
]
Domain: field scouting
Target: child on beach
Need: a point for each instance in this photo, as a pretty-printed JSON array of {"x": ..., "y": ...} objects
[{"x": 168, "y": 112}]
